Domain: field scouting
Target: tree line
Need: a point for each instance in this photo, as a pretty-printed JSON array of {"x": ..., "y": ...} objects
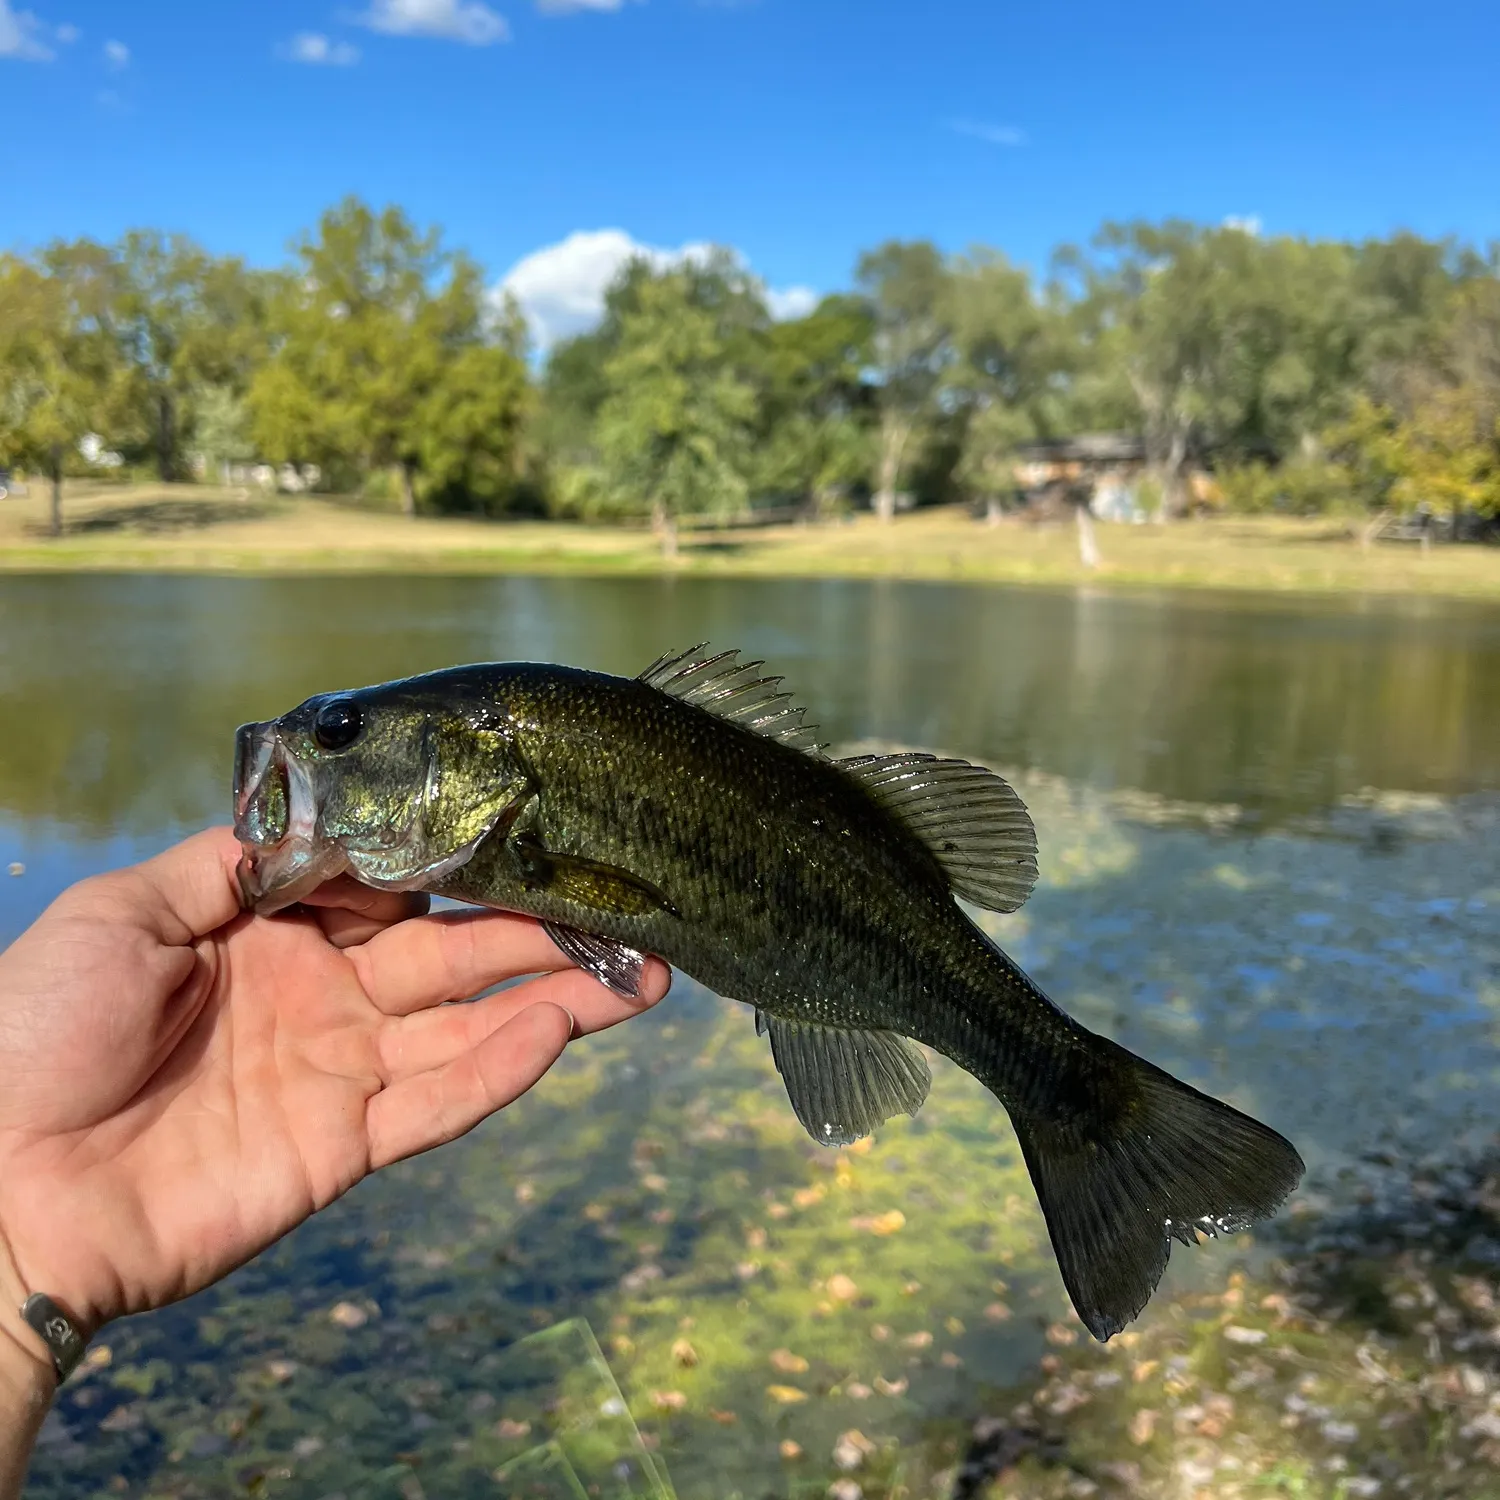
[{"x": 1308, "y": 375}]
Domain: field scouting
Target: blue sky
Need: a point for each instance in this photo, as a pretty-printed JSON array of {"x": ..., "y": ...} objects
[{"x": 796, "y": 131}]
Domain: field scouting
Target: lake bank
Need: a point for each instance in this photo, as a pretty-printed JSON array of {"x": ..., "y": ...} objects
[{"x": 186, "y": 528}]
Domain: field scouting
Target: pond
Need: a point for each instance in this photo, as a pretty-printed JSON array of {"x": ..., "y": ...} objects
[{"x": 1269, "y": 862}]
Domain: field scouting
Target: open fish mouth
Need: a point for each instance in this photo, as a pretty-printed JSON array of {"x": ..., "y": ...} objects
[
  {"x": 285, "y": 851},
  {"x": 282, "y": 857}
]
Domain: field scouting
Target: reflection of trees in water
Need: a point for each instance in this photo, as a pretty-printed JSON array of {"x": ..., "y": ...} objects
[{"x": 120, "y": 694}]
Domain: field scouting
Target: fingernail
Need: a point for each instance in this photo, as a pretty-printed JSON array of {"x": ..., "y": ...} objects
[{"x": 573, "y": 1030}]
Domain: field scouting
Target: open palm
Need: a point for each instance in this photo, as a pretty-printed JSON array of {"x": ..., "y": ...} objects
[{"x": 183, "y": 1082}]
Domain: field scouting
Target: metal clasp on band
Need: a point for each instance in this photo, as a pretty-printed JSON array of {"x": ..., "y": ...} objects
[{"x": 55, "y": 1329}]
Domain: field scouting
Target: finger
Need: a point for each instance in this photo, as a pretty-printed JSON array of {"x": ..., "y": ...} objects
[
  {"x": 383, "y": 907},
  {"x": 187, "y": 891},
  {"x": 350, "y": 913},
  {"x": 347, "y": 929},
  {"x": 450, "y": 957},
  {"x": 443, "y": 1103},
  {"x": 414, "y": 1044}
]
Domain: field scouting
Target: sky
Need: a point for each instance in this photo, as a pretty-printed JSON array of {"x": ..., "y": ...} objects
[{"x": 551, "y": 138}]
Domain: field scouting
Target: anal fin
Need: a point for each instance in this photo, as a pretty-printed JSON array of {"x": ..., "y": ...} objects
[
  {"x": 615, "y": 966},
  {"x": 843, "y": 1084}
]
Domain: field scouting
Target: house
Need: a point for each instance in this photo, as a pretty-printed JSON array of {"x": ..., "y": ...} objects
[{"x": 1107, "y": 466}]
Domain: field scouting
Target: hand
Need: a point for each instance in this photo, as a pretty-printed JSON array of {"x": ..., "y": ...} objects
[{"x": 184, "y": 1083}]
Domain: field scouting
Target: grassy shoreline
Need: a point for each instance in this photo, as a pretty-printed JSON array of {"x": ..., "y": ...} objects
[{"x": 186, "y": 528}]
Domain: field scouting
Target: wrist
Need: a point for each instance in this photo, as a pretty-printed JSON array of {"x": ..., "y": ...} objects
[
  {"x": 27, "y": 1378},
  {"x": 19, "y": 1341}
]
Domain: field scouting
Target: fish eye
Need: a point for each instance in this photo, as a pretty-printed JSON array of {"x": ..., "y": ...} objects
[{"x": 338, "y": 724}]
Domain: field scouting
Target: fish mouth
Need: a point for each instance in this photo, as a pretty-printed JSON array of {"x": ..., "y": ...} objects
[{"x": 282, "y": 859}]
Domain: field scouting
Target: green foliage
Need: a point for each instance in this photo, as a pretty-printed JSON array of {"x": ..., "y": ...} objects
[
  {"x": 369, "y": 331},
  {"x": 1314, "y": 375},
  {"x": 1015, "y": 353},
  {"x": 675, "y": 430},
  {"x": 57, "y": 371},
  {"x": 1301, "y": 487},
  {"x": 470, "y": 430},
  {"x": 817, "y": 445},
  {"x": 906, "y": 285}
]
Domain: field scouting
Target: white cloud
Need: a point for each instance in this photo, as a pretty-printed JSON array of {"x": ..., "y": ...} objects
[
  {"x": 468, "y": 21},
  {"x": 994, "y": 135},
  {"x": 1245, "y": 223},
  {"x": 27, "y": 39},
  {"x": 561, "y": 287},
  {"x": 563, "y": 7},
  {"x": 117, "y": 56},
  {"x": 790, "y": 302},
  {"x": 317, "y": 50}
]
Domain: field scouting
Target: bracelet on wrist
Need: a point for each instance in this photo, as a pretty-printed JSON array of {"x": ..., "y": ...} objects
[{"x": 56, "y": 1330}]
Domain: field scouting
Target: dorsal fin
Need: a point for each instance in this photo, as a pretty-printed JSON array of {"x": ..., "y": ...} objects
[
  {"x": 974, "y": 823},
  {"x": 721, "y": 684}
]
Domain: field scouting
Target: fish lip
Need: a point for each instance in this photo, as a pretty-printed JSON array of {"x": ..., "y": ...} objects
[
  {"x": 277, "y": 867},
  {"x": 254, "y": 748}
]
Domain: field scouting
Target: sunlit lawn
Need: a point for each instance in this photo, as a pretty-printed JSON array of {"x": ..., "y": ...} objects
[{"x": 204, "y": 528}]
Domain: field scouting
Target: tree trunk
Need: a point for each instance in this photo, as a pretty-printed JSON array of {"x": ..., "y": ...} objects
[
  {"x": 1088, "y": 545},
  {"x": 664, "y": 524},
  {"x": 166, "y": 437},
  {"x": 56, "y": 526},
  {"x": 893, "y": 436},
  {"x": 1173, "y": 491},
  {"x": 408, "y": 493},
  {"x": 1371, "y": 529},
  {"x": 992, "y": 510}
]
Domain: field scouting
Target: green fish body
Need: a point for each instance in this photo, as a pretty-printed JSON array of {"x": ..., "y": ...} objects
[{"x": 690, "y": 813}]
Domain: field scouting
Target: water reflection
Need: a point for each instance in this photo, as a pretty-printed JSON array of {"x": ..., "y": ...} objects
[{"x": 120, "y": 694}]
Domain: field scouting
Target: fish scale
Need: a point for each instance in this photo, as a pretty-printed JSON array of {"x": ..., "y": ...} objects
[{"x": 691, "y": 813}]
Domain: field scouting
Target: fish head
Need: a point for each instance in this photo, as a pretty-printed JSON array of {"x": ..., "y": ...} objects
[{"x": 396, "y": 785}]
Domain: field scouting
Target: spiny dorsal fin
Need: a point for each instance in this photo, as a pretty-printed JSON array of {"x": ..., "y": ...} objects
[
  {"x": 721, "y": 684},
  {"x": 843, "y": 1084},
  {"x": 976, "y": 826}
]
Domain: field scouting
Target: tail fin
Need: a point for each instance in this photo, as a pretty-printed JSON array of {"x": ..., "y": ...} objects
[{"x": 1160, "y": 1161}]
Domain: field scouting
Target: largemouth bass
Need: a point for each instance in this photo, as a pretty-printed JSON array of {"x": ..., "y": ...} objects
[{"x": 691, "y": 813}]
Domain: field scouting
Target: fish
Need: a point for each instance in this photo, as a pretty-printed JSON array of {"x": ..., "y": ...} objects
[{"x": 692, "y": 813}]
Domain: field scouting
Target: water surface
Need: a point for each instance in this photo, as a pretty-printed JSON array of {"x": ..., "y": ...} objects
[{"x": 1344, "y": 987}]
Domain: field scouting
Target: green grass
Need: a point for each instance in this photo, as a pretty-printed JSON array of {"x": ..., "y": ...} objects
[{"x": 199, "y": 529}]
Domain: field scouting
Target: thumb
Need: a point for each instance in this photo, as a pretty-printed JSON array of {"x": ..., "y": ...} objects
[{"x": 190, "y": 889}]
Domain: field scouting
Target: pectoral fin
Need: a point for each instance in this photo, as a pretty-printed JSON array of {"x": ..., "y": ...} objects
[
  {"x": 600, "y": 887},
  {"x": 615, "y": 966},
  {"x": 843, "y": 1084}
]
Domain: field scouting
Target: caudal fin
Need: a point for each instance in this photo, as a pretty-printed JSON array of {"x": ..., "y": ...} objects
[{"x": 1155, "y": 1161}]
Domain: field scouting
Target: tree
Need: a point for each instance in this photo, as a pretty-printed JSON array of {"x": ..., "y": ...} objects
[
  {"x": 1435, "y": 442},
  {"x": 674, "y": 433},
  {"x": 904, "y": 283},
  {"x": 818, "y": 408},
  {"x": 365, "y": 332},
  {"x": 1013, "y": 356},
  {"x": 183, "y": 323},
  {"x": 55, "y": 372},
  {"x": 1224, "y": 340},
  {"x": 471, "y": 425}
]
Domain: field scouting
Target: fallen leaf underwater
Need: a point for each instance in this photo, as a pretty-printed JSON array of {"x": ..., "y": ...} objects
[{"x": 690, "y": 813}]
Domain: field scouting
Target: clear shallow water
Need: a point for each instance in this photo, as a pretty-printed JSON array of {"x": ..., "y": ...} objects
[{"x": 1343, "y": 987}]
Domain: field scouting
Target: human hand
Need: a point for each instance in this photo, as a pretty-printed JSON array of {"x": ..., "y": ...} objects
[{"x": 184, "y": 1082}]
